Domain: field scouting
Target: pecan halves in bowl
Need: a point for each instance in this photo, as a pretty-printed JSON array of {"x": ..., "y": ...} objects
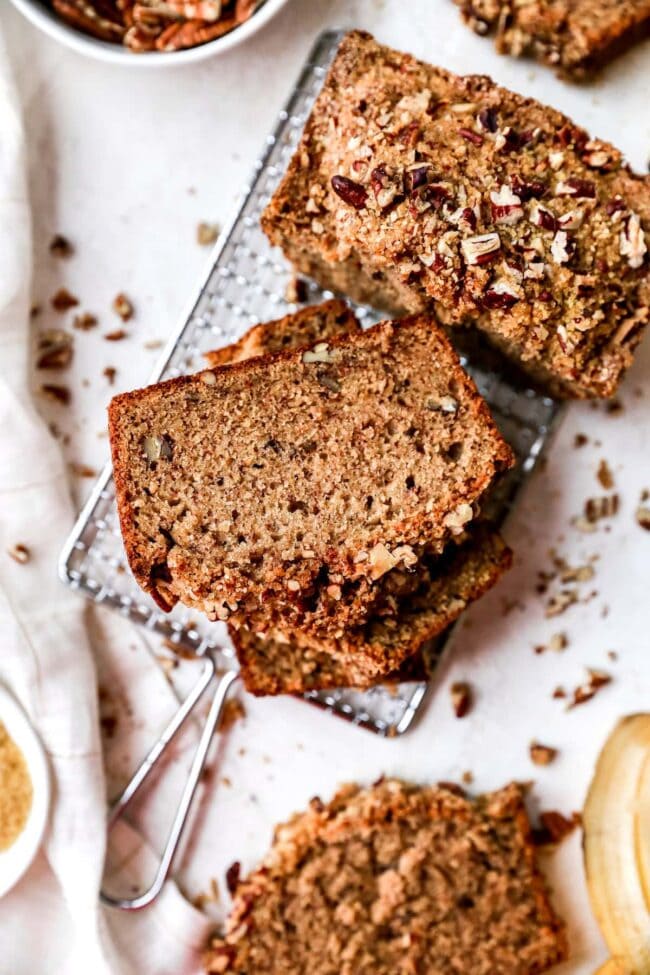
[
  {"x": 92, "y": 18},
  {"x": 155, "y": 25}
]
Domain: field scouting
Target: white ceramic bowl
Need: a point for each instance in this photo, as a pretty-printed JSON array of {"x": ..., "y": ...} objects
[
  {"x": 46, "y": 19},
  {"x": 15, "y": 860}
]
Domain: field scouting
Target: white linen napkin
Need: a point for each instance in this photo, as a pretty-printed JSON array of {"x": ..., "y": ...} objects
[{"x": 46, "y": 660}]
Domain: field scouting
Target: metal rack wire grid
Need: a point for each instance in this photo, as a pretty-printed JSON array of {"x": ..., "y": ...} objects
[{"x": 247, "y": 284}]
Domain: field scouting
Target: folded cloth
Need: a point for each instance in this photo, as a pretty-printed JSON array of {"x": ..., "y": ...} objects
[{"x": 53, "y": 913}]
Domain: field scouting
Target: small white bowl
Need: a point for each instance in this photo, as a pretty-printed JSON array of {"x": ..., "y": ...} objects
[
  {"x": 16, "y": 859},
  {"x": 46, "y": 19}
]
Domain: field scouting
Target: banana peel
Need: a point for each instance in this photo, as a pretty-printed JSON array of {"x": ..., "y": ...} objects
[
  {"x": 614, "y": 967},
  {"x": 616, "y": 822}
]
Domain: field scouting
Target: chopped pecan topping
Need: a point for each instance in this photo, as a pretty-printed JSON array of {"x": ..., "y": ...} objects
[
  {"x": 481, "y": 249},
  {"x": 506, "y": 206},
  {"x": 542, "y": 217},
  {"x": 500, "y": 294},
  {"x": 487, "y": 119},
  {"x": 581, "y": 189},
  {"x": 387, "y": 185},
  {"x": 528, "y": 189},
  {"x": 475, "y": 137},
  {"x": 350, "y": 192},
  {"x": 632, "y": 241},
  {"x": 560, "y": 247}
]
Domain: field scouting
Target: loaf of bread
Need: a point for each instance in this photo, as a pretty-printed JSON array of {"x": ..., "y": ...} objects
[
  {"x": 413, "y": 188},
  {"x": 298, "y": 480},
  {"x": 396, "y": 878}
]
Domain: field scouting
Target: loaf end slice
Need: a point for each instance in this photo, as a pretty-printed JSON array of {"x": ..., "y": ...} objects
[{"x": 396, "y": 878}]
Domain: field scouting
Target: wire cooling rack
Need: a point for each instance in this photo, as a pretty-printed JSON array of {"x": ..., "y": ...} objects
[{"x": 247, "y": 284}]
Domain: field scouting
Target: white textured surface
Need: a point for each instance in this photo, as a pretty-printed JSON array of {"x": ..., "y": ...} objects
[{"x": 126, "y": 164}]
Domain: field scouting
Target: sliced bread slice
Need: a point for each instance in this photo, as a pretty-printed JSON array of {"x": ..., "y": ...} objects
[{"x": 299, "y": 479}]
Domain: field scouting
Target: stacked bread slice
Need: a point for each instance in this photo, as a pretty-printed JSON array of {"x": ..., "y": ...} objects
[{"x": 321, "y": 499}]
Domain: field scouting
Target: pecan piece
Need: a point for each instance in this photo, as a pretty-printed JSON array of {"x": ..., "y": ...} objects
[
  {"x": 387, "y": 185},
  {"x": 542, "y": 754},
  {"x": 481, "y": 249},
  {"x": 506, "y": 206},
  {"x": 581, "y": 189},
  {"x": 60, "y": 246},
  {"x": 354, "y": 194},
  {"x": 54, "y": 349},
  {"x": 62, "y": 300},
  {"x": 461, "y": 698}
]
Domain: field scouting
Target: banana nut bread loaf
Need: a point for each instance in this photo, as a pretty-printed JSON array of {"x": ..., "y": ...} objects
[
  {"x": 427, "y": 599},
  {"x": 576, "y": 37},
  {"x": 299, "y": 479},
  {"x": 304, "y": 327},
  {"x": 386, "y": 648},
  {"x": 415, "y": 188},
  {"x": 396, "y": 878}
]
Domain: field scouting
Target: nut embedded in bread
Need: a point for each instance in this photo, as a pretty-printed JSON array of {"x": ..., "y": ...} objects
[
  {"x": 396, "y": 878},
  {"x": 415, "y": 188},
  {"x": 300, "y": 477}
]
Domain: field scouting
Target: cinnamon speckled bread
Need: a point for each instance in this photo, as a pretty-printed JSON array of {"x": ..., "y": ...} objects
[
  {"x": 386, "y": 647},
  {"x": 304, "y": 327},
  {"x": 576, "y": 37},
  {"x": 298, "y": 480},
  {"x": 413, "y": 188},
  {"x": 393, "y": 879}
]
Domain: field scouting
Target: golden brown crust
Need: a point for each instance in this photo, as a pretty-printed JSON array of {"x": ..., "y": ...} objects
[
  {"x": 396, "y": 878},
  {"x": 217, "y": 435},
  {"x": 414, "y": 188},
  {"x": 384, "y": 649},
  {"x": 575, "y": 37},
  {"x": 301, "y": 328}
]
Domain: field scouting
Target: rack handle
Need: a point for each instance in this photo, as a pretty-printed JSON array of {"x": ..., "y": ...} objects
[{"x": 175, "y": 834}]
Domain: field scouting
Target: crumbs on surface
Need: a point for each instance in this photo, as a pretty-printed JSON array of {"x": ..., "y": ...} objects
[{"x": 15, "y": 790}]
